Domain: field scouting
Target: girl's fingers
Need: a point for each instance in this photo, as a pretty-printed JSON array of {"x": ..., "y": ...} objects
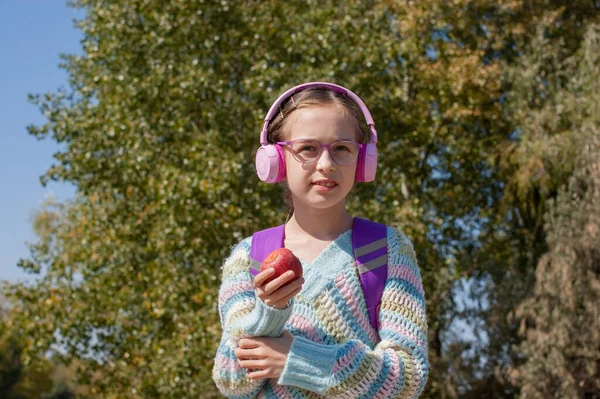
[
  {"x": 283, "y": 300},
  {"x": 294, "y": 293},
  {"x": 246, "y": 343},
  {"x": 246, "y": 353},
  {"x": 289, "y": 290},
  {"x": 280, "y": 281},
  {"x": 252, "y": 364},
  {"x": 284, "y": 286},
  {"x": 261, "y": 277},
  {"x": 256, "y": 375}
]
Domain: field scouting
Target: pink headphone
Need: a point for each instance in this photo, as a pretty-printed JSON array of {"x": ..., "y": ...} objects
[{"x": 270, "y": 163}]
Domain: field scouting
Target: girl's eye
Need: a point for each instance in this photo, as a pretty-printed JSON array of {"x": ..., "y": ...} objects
[
  {"x": 306, "y": 147},
  {"x": 342, "y": 148}
]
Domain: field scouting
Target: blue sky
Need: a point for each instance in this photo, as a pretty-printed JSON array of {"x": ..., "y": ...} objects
[{"x": 32, "y": 35}]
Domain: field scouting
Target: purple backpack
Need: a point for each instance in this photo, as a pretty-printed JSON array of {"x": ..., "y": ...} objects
[{"x": 369, "y": 243}]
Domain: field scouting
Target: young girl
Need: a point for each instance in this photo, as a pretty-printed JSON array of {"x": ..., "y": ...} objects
[{"x": 316, "y": 335}]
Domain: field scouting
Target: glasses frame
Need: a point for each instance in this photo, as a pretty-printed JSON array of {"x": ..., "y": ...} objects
[{"x": 321, "y": 146}]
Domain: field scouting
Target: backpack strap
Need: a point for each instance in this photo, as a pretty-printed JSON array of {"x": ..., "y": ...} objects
[
  {"x": 263, "y": 243},
  {"x": 369, "y": 243}
]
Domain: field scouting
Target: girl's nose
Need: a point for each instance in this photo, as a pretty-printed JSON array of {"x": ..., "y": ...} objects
[{"x": 325, "y": 163}]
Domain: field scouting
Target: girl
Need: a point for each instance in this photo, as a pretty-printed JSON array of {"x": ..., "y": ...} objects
[{"x": 317, "y": 335}]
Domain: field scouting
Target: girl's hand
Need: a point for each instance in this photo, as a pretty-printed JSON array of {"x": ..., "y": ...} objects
[
  {"x": 264, "y": 357},
  {"x": 275, "y": 293}
]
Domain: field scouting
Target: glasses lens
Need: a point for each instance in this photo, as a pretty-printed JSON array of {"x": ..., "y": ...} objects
[
  {"x": 344, "y": 152},
  {"x": 306, "y": 150},
  {"x": 341, "y": 152}
]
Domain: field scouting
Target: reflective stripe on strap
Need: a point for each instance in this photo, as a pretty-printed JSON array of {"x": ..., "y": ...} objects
[
  {"x": 255, "y": 265},
  {"x": 365, "y": 249},
  {"x": 372, "y": 264}
]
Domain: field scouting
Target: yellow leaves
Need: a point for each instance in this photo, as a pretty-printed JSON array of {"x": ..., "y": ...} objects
[
  {"x": 469, "y": 70},
  {"x": 158, "y": 312},
  {"x": 197, "y": 298},
  {"x": 130, "y": 191},
  {"x": 54, "y": 299}
]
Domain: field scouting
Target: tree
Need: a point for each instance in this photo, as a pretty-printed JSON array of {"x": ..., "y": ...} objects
[
  {"x": 550, "y": 99},
  {"x": 560, "y": 322},
  {"x": 160, "y": 125},
  {"x": 10, "y": 367},
  {"x": 20, "y": 381}
]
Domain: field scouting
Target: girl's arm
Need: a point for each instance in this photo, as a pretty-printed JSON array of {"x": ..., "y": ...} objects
[
  {"x": 242, "y": 315},
  {"x": 397, "y": 367}
]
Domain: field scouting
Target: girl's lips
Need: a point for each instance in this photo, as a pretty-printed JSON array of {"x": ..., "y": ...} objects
[
  {"x": 325, "y": 185},
  {"x": 325, "y": 182}
]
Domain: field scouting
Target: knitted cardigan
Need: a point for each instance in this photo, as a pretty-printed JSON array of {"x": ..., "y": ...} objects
[{"x": 335, "y": 352}]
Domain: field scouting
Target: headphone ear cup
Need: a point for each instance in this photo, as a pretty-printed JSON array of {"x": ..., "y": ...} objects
[
  {"x": 270, "y": 163},
  {"x": 366, "y": 167}
]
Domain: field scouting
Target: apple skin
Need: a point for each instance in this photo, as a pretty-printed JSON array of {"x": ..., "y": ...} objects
[{"x": 282, "y": 260}]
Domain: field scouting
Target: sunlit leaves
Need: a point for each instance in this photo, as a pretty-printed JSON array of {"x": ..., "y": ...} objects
[{"x": 159, "y": 128}]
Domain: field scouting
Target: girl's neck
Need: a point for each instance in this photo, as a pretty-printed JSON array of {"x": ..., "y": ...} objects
[{"x": 322, "y": 224}]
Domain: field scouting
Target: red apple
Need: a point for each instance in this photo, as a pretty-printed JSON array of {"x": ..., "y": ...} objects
[{"x": 282, "y": 260}]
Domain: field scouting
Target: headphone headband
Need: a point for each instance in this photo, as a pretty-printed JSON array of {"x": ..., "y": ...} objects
[{"x": 320, "y": 85}]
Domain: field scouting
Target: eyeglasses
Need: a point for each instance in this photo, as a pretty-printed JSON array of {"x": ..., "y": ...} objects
[{"x": 342, "y": 152}]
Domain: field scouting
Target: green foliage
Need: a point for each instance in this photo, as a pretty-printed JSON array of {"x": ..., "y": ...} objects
[
  {"x": 552, "y": 102},
  {"x": 10, "y": 367},
  {"x": 560, "y": 322},
  {"x": 160, "y": 124},
  {"x": 19, "y": 381}
]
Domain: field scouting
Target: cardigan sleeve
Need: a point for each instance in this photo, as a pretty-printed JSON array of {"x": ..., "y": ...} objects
[
  {"x": 242, "y": 315},
  {"x": 397, "y": 367}
]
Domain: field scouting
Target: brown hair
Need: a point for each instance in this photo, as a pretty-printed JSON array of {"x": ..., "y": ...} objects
[{"x": 306, "y": 99}]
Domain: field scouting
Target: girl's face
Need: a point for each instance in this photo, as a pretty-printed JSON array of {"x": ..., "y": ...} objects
[{"x": 322, "y": 183}]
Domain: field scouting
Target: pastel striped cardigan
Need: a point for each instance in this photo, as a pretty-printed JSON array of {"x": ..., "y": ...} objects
[{"x": 335, "y": 353}]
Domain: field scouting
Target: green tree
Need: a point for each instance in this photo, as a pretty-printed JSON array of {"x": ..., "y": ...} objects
[
  {"x": 160, "y": 125},
  {"x": 19, "y": 380},
  {"x": 10, "y": 365},
  {"x": 551, "y": 95},
  {"x": 560, "y": 322}
]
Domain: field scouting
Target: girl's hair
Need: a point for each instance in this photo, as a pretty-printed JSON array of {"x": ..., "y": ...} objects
[{"x": 311, "y": 98}]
